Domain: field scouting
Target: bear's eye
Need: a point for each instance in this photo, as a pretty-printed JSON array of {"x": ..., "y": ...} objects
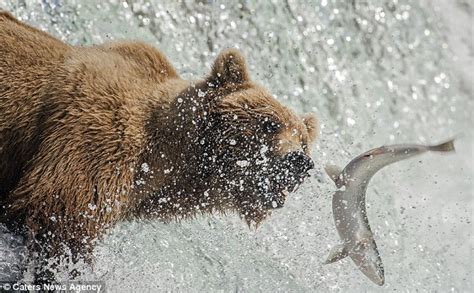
[{"x": 270, "y": 126}]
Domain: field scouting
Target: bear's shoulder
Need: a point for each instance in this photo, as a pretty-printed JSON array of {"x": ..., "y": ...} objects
[
  {"x": 144, "y": 60},
  {"x": 26, "y": 44}
]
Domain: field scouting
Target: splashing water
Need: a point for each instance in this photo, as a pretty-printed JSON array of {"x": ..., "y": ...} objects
[{"x": 375, "y": 72}]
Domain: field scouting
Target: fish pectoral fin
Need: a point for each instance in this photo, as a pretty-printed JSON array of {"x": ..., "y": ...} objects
[
  {"x": 334, "y": 173},
  {"x": 337, "y": 253}
]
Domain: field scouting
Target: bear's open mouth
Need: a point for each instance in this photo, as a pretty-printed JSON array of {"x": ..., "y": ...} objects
[{"x": 276, "y": 198}]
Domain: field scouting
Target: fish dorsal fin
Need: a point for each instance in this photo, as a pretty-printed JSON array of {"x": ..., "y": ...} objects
[
  {"x": 334, "y": 173},
  {"x": 337, "y": 253}
]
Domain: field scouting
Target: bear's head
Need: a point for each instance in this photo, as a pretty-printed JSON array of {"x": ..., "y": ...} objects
[{"x": 250, "y": 150}]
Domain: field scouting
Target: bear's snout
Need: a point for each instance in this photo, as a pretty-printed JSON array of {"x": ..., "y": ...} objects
[
  {"x": 298, "y": 162},
  {"x": 293, "y": 169}
]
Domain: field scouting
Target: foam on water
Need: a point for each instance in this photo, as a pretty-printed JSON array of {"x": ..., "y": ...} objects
[{"x": 375, "y": 73}]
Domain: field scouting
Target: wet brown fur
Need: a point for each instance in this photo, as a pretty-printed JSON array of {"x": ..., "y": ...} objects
[{"x": 95, "y": 135}]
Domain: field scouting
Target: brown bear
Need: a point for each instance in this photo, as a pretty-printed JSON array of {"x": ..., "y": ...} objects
[{"x": 90, "y": 136}]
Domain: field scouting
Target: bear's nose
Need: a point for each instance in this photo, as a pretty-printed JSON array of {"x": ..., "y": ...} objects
[{"x": 298, "y": 162}]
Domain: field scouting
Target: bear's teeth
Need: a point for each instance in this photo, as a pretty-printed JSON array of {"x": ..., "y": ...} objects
[{"x": 297, "y": 186}]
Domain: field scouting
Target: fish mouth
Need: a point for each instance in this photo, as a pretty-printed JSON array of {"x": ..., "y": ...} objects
[
  {"x": 373, "y": 270},
  {"x": 367, "y": 259}
]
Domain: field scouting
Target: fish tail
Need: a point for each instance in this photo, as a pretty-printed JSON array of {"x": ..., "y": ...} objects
[{"x": 444, "y": 147}]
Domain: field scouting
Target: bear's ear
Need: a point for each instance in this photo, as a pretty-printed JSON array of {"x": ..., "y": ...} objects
[
  {"x": 229, "y": 67},
  {"x": 312, "y": 125}
]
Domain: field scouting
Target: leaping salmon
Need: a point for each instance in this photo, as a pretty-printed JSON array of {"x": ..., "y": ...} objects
[{"x": 348, "y": 204}]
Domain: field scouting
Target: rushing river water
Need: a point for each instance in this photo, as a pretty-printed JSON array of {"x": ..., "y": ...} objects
[{"x": 375, "y": 72}]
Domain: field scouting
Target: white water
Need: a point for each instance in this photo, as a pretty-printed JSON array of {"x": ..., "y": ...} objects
[{"x": 374, "y": 73}]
